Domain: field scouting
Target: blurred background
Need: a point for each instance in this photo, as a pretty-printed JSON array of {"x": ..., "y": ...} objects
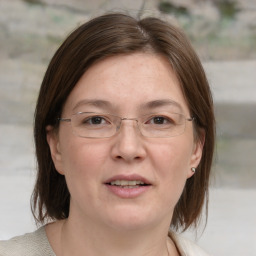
[{"x": 223, "y": 32}]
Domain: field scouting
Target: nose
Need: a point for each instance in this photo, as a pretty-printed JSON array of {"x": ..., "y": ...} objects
[{"x": 128, "y": 144}]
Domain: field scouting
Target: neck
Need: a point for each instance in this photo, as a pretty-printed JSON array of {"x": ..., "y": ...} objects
[{"x": 95, "y": 240}]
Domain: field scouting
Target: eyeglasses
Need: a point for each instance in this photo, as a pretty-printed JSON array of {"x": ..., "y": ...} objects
[{"x": 100, "y": 125}]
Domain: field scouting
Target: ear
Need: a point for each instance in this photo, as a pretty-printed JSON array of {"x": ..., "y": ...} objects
[
  {"x": 53, "y": 142},
  {"x": 197, "y": 153}
]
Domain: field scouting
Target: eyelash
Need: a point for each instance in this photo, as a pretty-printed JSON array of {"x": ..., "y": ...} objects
[
  {"x": 164, "y": 119},
  {"x": 151, "y": 120}
]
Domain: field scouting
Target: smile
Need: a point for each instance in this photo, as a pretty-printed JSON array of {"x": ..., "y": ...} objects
[
  {"x": 128, "y": 183},
  {"x": 128, "y": 186}
]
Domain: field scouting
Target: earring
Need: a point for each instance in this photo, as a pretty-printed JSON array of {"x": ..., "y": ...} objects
[{"x": 193, "y": 169}]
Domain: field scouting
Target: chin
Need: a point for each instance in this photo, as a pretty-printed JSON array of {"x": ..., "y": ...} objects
[{"x": 128, "y": 220}]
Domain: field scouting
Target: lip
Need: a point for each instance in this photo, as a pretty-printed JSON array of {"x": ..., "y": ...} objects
[
  {"x": 124, "y": 192},
  {"x": 128, "y": 178}
]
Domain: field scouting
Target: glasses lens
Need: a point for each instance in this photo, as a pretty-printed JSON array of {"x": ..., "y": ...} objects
[
  {"x": 93, "y": 125},
  {"x": 98, "y": 125},
  {"x": 163, "y": 125}
]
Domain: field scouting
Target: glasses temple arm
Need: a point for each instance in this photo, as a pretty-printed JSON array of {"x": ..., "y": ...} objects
[{"x": 64, "y": 119}]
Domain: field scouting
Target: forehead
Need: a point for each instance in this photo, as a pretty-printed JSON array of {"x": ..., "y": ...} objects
[{"x": 128, "y": 83}]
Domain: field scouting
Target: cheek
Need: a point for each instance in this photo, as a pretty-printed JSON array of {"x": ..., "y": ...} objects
[
  {"x": 83, "y": 157},
  {"x": 172, "y": 162},
  {"x": 173, "y": 157},
  {"x": 83, "y": 164},
  {"x": 82, "y": 160}
]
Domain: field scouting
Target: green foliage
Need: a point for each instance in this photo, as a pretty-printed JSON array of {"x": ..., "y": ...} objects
[
  {"x": 34, "y": 2},
  {"x": 228, "y": 8},
  {"x": 169, "y": 8}
]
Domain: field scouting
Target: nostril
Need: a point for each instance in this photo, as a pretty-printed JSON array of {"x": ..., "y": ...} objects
[{"x": 135, "y": 158}]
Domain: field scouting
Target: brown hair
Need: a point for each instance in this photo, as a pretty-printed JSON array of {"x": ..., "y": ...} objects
[{"x": 101, "y": 37}]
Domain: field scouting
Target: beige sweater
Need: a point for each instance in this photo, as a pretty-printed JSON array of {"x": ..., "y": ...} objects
[{"x": 37, "y": 244}]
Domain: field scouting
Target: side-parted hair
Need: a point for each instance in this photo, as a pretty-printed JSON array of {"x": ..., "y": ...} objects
[{"x": 99, "y": 38}]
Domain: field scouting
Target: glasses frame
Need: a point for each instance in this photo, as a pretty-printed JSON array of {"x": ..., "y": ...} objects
[{"x": 69, "y": 120}]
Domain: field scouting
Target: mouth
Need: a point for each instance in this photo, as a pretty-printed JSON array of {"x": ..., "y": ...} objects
[
  {"x": 128, "y": 186},
  {"x": 127, "y": 183}
]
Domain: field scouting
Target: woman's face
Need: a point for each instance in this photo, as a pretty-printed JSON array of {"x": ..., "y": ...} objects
[{"x": 127, "y": 86}]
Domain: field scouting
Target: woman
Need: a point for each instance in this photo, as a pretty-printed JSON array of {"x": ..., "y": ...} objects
[{"x": 124, "y": 133}]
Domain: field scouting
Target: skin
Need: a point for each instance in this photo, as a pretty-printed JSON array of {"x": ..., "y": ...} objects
[{"x": 100, "y": 221}]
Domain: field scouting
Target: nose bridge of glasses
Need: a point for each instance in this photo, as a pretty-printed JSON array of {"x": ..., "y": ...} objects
[{"x": 128, "y": 119}]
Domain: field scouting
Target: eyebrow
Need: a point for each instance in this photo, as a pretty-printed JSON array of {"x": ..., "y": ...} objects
[
  {"x": 94, "y": 102},
  {"x": 148, "y": 105},
  {"x": 162, "y": 103}
]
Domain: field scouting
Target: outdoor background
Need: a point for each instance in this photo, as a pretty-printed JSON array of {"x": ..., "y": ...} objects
[{"x": 223, "y": 33}]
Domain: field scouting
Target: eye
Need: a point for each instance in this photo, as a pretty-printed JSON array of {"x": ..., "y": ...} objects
[
  {"x": 160, "y": 120},
  {"x": 95, "y": 120}
]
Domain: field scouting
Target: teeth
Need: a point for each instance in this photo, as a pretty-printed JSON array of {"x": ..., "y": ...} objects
[{"x": 126, "y": 182}]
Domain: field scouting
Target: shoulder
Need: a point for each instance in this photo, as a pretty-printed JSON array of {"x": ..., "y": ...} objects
[
  {"x": 31, "y": 244},
  {"x": 187, "y": 247}
]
